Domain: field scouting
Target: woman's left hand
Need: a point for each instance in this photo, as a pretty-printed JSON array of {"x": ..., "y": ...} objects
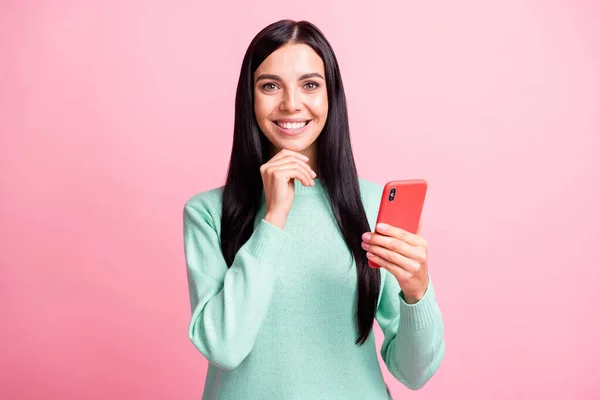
[{"x": 402, "y": 253}]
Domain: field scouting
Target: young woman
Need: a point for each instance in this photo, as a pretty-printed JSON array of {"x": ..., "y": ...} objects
[{"x": 283, "y": 299}]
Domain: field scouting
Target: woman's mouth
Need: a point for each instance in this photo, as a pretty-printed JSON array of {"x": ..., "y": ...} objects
[{"x": 291, "y": 128}]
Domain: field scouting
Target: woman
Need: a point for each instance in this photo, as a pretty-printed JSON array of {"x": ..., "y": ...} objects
[{"x": 283, "y": 299}]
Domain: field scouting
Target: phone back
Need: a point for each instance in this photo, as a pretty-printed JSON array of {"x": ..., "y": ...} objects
[{"x": 401, "y": 205}]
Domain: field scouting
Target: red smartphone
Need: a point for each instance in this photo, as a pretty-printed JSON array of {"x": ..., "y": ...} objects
[{"x": 401, "y": 205}]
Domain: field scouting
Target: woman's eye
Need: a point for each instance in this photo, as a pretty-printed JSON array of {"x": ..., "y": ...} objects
[
  {"x": 311, "y": 85},
  {"x": 269, "y": 86}
]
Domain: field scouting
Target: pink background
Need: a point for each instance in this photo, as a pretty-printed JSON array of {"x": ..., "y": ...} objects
[{"x": 113, "y": 114}]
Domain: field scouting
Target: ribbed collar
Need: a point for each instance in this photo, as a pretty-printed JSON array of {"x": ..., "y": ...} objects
[{"x": 300, "y": 189}]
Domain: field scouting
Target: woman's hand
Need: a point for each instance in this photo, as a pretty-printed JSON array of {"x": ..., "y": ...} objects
[
  {"x": 278, "y": 176},
  {"x": 403, "y": 254}
]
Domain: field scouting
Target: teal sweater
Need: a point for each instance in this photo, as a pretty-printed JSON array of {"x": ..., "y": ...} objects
[{"x": 279, "y": 323}]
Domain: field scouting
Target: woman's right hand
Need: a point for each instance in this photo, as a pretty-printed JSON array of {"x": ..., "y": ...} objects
[{"x": 278, "y": 176}]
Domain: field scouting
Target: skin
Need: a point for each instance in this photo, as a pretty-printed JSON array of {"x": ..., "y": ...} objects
[
  {"x": 290, "y": 84},
  {"x": 402, "y": 253}
]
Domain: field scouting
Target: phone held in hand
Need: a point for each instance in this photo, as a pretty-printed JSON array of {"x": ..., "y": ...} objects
[{"x": 401, "y": 205}]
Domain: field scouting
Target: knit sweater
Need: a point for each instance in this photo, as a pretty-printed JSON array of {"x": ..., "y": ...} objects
[{"x": 279, "y": 324}]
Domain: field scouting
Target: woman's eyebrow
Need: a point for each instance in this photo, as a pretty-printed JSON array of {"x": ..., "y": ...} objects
[
  {"x": 268, "y": 76},
  {"x": 311, "y": 75},
  {"x": 277, "y": 78}
]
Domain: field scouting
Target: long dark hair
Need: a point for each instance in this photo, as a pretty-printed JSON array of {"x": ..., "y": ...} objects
[{"x": 242, "y": 193}]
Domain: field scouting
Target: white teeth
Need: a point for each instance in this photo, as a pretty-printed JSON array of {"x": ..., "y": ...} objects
[{"x": 291, "y": 125}]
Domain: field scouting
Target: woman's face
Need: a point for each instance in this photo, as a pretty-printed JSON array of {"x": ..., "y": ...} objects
[{"x": 290, "y": 98}]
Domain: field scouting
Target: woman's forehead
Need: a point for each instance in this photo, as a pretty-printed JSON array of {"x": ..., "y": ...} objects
[{"x": 292, "y": 60}]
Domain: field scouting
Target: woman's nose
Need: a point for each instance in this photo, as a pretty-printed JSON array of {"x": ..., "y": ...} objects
[{"x": 289, "y": 102}]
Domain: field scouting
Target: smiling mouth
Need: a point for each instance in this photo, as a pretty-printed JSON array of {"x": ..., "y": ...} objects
[{"x": 291, "y": 126}]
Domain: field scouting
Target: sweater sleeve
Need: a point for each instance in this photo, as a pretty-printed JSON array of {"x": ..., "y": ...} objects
[
  {"x": 413, "y": 345},
  {"x": 228, "y": 304}
]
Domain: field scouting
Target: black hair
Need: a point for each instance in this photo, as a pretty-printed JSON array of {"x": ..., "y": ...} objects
[{"x": 242, "y": 194}]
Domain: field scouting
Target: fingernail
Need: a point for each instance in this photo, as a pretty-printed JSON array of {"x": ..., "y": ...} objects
[
  {"x": 365, "y": 245},
  {"x": 313, "y": 173},
  {"x": 382, "y": 226},
  {"x": 369, "y": 255},
  {"x": 366, "y": 236}
]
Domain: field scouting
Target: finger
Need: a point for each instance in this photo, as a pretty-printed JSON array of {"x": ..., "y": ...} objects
[
  {"x": 293, "y": 165},
  {"x": 408, "y": 264},
  {"x": 401, "y": 234},
  {"x": 393, "y": 268},
  {"x": 290, "y": 171},
  {"x": 286, "y": 153},
  {"x": 292, "y": 159},
  {"x": 287, "y": 162},
  {"x": 304, "y": 176},
  {"x": 416, "y": 253}
]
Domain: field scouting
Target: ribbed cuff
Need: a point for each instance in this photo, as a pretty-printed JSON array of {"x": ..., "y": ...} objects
[
  {"x": 422, "y": 314},
  {"x": 266, "y": 242}
]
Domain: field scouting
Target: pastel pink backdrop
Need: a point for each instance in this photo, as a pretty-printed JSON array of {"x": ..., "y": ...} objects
[{"x": 113, "y": 114}]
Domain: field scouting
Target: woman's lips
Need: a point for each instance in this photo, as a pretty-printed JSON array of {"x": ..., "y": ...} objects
[{"x": 291, "y": 128}]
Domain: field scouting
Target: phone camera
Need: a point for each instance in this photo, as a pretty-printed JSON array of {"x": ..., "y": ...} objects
[{"x": 392, "y": 194}]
